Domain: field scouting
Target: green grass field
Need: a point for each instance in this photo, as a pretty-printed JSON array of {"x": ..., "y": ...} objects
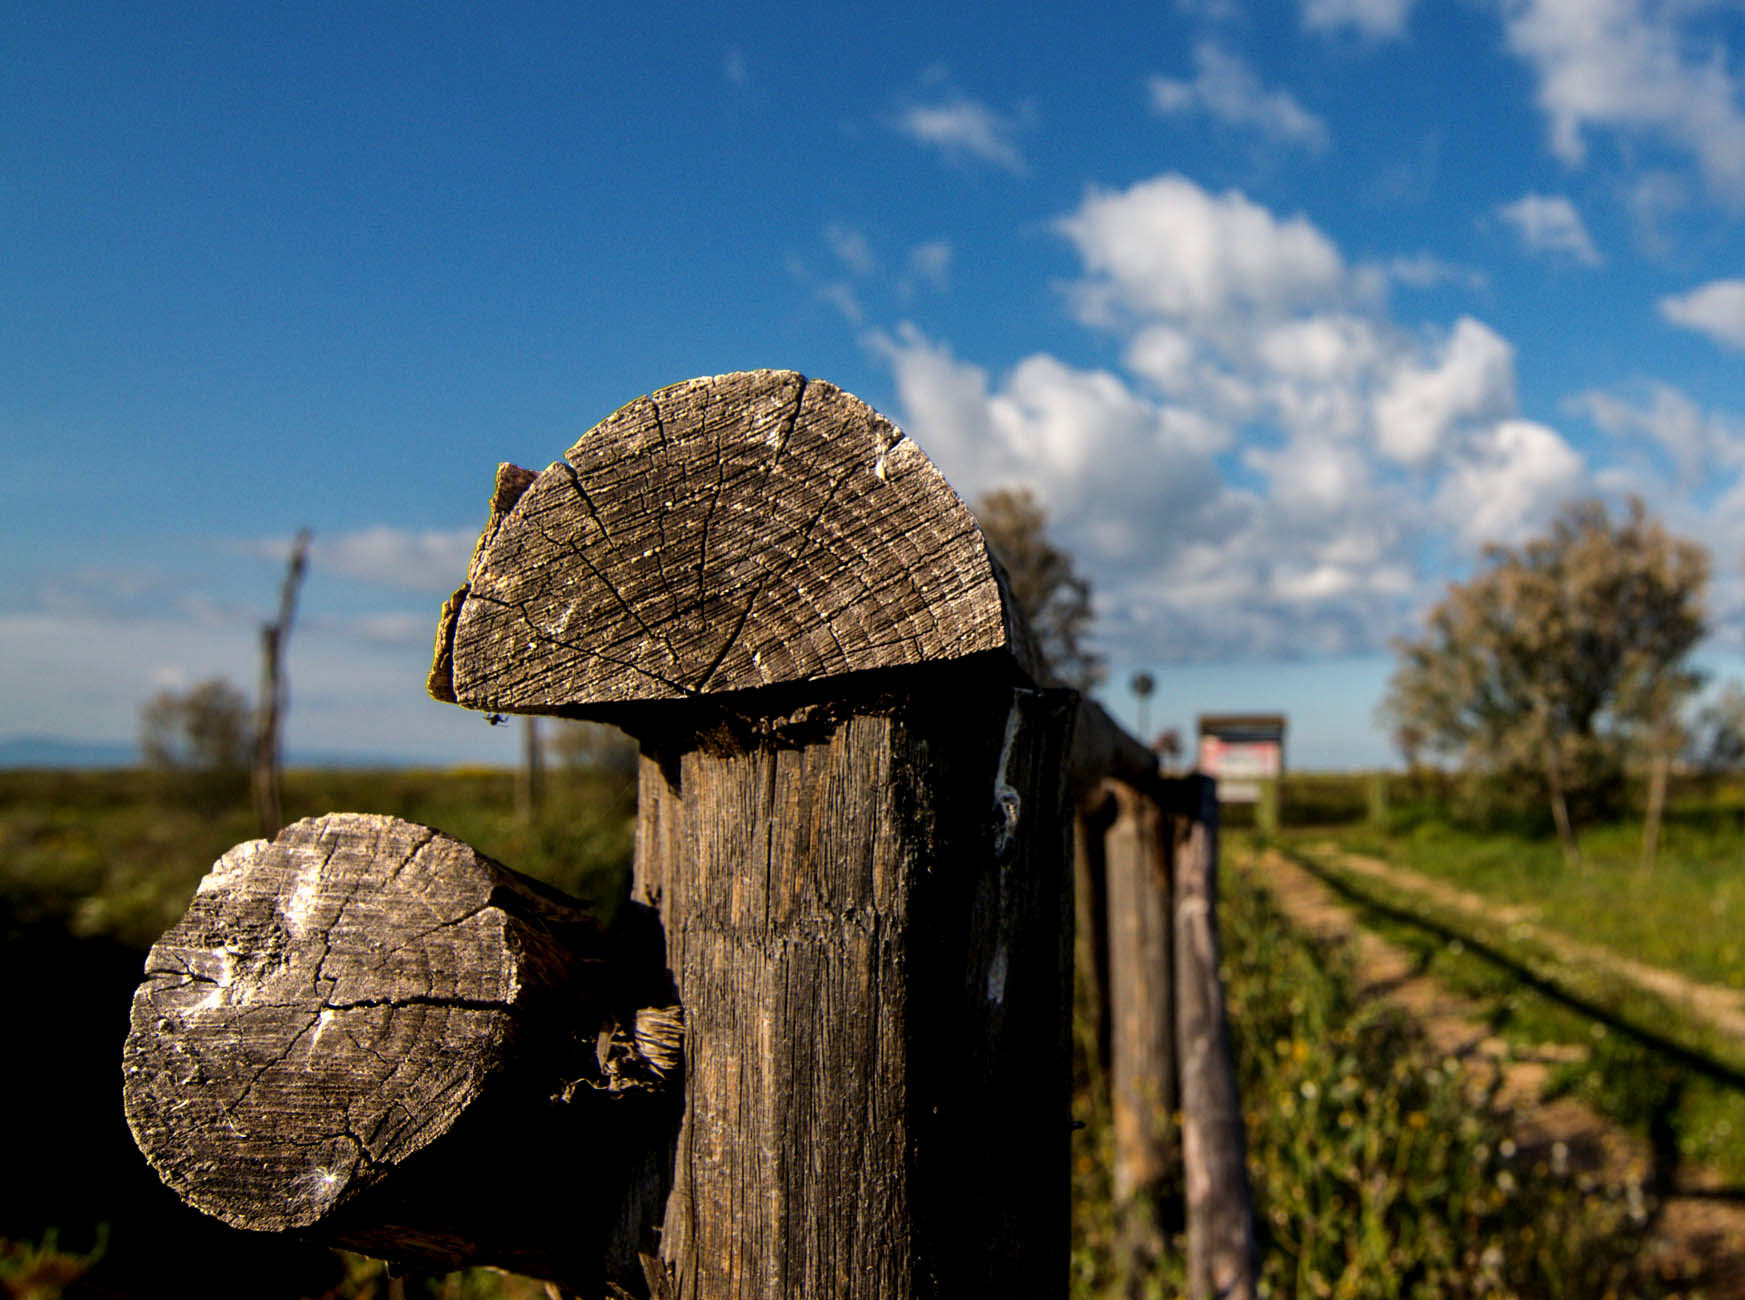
[
  {"x": 1686, "y": 913},
  {"x": 117, "y": 854}
]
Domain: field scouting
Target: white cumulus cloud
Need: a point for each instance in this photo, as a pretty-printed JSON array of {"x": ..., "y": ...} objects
[
  {"x": 357, "y": 686},
  {"x": 1375, "y": 19},
  {"x": 1634, "y": 67},
  {"x": 1716, "y": 309},
  {"x": 1426, "y": 271},
  {"x": 1166, "y": 247},
  {"x": 412, "y": 559},
  {"x": 1081, "y": 437},
  {"x": 929, "y": 263},
  {"x": 1275, "y": 456},
  {"x": 1471, "y": 380},
  {"x": 1698, "y": 442},
  {"x": 1549, "y": 223},
  {"x": 1516, "y": 475},
  {"x": 852, "y": 248},
  {"x": 963, "y": 128},
  {"x": 433, "y": 560},
  {"x": 1225, "y": 88}
]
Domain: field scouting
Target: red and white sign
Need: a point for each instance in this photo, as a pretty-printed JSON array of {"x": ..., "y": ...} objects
[{"x": 1240, "y": 765}]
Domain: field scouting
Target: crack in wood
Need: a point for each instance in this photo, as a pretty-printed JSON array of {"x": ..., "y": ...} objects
[
  {"x": 563, "y": 642},
  {"x": 767, "y": 575},
  {"x": 574, "y": 550}
]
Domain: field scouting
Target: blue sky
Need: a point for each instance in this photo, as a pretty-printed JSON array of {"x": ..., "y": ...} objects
[{"x": 1283, "y": 309}]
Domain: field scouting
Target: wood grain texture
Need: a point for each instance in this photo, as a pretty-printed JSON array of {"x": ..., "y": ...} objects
[
  {"x": 720, "y": 535},
  {"x": 339, "y": 1000},
  {"x": 868, "y": 930}
]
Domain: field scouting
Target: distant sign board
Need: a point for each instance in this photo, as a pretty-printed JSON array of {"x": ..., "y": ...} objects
[{"x": 1240, "y": 751}]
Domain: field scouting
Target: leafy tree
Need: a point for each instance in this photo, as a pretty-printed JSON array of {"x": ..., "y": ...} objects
[
  {"x": 1559, "y": 656},
  {"x": 1055, "y": 600},
  {"x": 200, "y": 738}
]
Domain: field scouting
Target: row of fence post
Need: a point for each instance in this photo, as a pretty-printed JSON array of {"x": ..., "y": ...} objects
[{"x": 1145, "y": 875}]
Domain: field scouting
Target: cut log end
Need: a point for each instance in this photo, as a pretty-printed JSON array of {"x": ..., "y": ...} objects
[
  {"x": 332, "y": 1002},
  {"x": 717, "y": 536}
]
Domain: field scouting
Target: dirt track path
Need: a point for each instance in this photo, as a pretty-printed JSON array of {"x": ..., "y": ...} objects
[
  {"x": 1692, "y": 1234},
  {"x": 1721, "y": 1007}
]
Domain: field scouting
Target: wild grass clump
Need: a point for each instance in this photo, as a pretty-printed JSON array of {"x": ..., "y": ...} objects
[{"x": 1377, "y": 1172}]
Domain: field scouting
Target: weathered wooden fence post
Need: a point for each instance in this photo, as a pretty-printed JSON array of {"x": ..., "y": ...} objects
[
  {"x": 366, "y": 1031},
  {"x": 829, "y": 1053},
  {"x": 851, "y": 825},
  {"x": 1376, "y": 809},
  {"x": 1268, "y": 805},
  {"x": 852, "y": 833},
  {"x": 1092, "y": 817},
  {"x": 1143, "y": 1073},
  {"x": 872, "y": 966},
  {"x": 1221, "y": 1245}
]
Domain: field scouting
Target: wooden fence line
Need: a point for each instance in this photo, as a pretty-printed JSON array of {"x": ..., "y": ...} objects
[
  {"x": 826, "y": 1051},
  {"x": 1168, "y": 1049}
]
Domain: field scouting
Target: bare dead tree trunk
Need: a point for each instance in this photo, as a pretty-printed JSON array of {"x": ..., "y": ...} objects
[
  {"x": 270, "y": 707},
  {"x": 1559, "y": 805},
  {"x": 530, "y": 777},
  {"x": 1658, "y": 766}
]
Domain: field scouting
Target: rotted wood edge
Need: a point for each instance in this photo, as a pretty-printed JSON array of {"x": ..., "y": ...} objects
[{"x": 511, "y": 483}]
